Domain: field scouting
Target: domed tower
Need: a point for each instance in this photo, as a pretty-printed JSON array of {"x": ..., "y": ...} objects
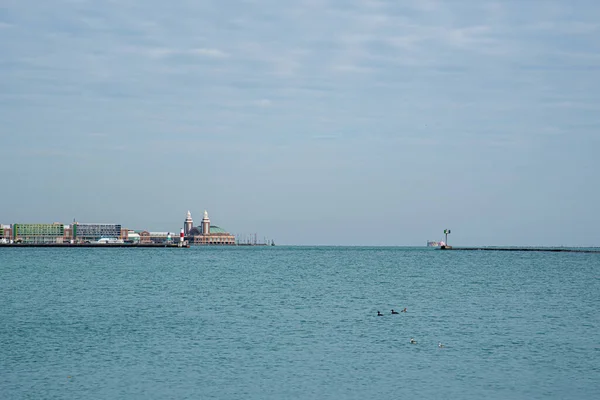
[
  {"x": 188, "y": 224},
  {"x": 205, "y": 224}
]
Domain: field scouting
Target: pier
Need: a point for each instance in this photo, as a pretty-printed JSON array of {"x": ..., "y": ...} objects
[
  {"x": 538, "y": 249},
  {"x": 98, "y": 245}
]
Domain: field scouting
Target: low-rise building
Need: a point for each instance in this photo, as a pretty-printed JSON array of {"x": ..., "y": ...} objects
[
  {"x": 6, "y": 232},
  {"x": 161, "y": 237},
  {"x": 216, "y": 236},
  {"x": 132, "y": 237},
  {"x": 145, "y": 237},
  {"x": 68, "y": 236},
  {"x": 207, "y": 234}
]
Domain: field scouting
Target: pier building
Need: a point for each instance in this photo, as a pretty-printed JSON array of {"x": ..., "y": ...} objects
[
  {"x": 61, "y": 233},
  {"x": 5, "y": 232},
  {"x": 207, "y": 234},
  {"x": 86, "y": 232},
  {"x": 39, "y": 233},
  {"x": 146, "y": 237},
  {"x": 132, "y": 237}
]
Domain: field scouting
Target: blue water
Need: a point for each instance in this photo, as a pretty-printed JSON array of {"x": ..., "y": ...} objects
[{"x": 298, "y": 323}]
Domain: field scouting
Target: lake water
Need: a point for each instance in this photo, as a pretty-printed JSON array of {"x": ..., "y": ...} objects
[{"x": 298, "y": 323}]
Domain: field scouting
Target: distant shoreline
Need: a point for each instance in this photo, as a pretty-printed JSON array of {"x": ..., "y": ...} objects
[
  {"x": 130, "y": 245},
  {"x": 176, "y": 245},
  {"x": 95, "y": 245}
]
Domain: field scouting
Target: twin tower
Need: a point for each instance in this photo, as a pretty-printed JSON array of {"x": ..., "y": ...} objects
[{"x": 189, "y": 224}]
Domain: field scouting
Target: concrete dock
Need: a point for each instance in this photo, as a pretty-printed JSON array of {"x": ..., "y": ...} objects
[{"x": 548, "y": 249}]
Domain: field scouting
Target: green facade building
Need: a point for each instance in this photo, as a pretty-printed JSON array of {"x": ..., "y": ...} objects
[{"x": 38, "y": 233}]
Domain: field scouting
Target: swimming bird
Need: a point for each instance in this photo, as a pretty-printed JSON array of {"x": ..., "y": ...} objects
[
  {"x": 403, "y": 310},
  {"x": 413, "y": 341},
  {"x": 379, "y": 314},
  {"x": 440, "y": 345},
  {"x": 395, "y": 312}
]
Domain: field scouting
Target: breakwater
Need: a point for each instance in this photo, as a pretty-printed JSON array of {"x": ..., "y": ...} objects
[{"x": 536, "y": 249}]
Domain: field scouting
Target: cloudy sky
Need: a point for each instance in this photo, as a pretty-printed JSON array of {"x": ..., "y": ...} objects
[{"x": 309, "y": 122}]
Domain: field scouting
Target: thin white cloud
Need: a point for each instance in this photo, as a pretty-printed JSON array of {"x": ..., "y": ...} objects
[
  {"x": 565, "y": 27},
  {"x": 467, "y": 37},
  {"x": 263, "y": 103},
  {"x": 352, "y": 68},
  {"x": 427, "y": 5},
  {"x": 207, "y": 52},
  {"x": 162, "y": 52},
  {"x": 576, "y": 105}
]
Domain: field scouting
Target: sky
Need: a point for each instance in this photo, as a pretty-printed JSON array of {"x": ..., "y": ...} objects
[{"x": 326, "y": 122}]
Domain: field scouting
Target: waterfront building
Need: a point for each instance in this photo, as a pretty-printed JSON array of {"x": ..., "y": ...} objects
[
  {"x": 68, "y": 235},
  {"x": 60, "y": 233},
  {"x": 207, "y": 234},
  {"x": 6, "y": 232},
  {"x": 217, "y": 236},
  {"x": 161, "y": 237},
  {"x": 84, "y": 232},
  {"x": 132, "y": 237},
  {"x": 204, "y": 234},
  {"x": 39, "y": 233},
  {"x": 145, "y": 237}
]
